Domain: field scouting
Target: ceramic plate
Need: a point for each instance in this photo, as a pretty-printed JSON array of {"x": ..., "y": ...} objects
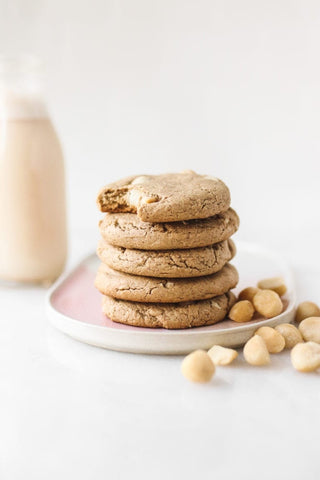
[{"x": 74, "y": 306}]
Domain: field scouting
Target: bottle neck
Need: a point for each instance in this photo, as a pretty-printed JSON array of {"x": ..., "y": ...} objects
[{"x": 21, "y": 88}]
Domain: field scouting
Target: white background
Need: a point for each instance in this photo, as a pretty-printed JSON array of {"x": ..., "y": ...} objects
[{"x": 228, "y": 88}]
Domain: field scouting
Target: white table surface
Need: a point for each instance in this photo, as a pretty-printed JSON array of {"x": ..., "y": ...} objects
[{"x": 71, "y": 411}]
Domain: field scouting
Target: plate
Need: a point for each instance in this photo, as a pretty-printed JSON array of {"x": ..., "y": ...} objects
[{"x": 73, "y": 306}]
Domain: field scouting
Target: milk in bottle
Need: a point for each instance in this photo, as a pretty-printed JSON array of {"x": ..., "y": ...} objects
[{"x": 33, "y": 238}]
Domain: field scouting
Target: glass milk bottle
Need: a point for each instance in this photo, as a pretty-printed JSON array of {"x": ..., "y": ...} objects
[{"x": 33, "y": 237}]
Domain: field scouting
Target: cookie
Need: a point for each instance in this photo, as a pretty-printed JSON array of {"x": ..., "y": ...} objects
[
  {"x": 168, "y": 315},
  {"x": 166, "y": 198},
  {"x": 128, "y": 231},
  {"x": 147, "y": 289},
  {"x": 194, "y": 262}
]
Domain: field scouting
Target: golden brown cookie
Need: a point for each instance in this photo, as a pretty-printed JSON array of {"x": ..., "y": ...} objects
[
  {"x": 195, "y": 262},
  {"x": 166, "y": 198},
  {"x": 127, "y": 230},
  {"x": 168, "y": 315},
  {"x": 147, "y": 289}
]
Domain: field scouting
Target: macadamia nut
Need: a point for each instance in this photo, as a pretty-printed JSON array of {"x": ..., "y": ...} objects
[
  {"x": 198, "y": 367},
  {"x": 310, "y": 329},
  {"x": 242, "y": 311},
  {"x": 267, "y": 303},
  {"x": 248, "y": 293},
  {"x": 255, "y": 351},
  {"x": 275, "y": 283},
  {"x": 290, "y": 333},
  {"x": 221, "y": 355},
  {"x": 306, "y": 310},
  {"x": 305, "y": 357},
  {"x": 274, "y": 340}
]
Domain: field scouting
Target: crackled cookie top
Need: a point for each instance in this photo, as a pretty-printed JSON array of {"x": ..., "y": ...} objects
[
  {"x": 127, "y": 230},
  {"x": 169, "y": 315},
  {"x": 194, "y": 262},
  {"x": 149, "y": 289},
  {"x": 166, "y": 198}
]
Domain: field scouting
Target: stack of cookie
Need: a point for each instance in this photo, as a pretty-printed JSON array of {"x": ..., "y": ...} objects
[{"x": 165, "y": 250}]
